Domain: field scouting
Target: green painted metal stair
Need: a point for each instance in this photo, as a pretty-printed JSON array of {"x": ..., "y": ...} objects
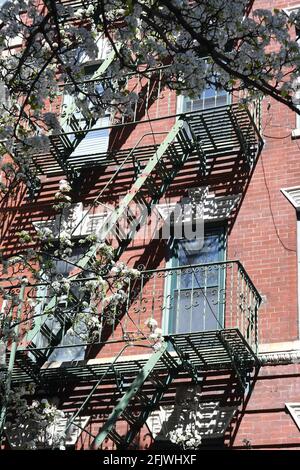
[
  {"x": 149, "y": 186},
  {"x": 126, "y": 409},
  {"x": 193, "y": 355}
]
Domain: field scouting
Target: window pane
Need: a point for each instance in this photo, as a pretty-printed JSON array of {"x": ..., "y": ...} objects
[
  {"x": 210, "y": 98},
  {"x": 194, "y": 252},
  {"x": 209, "y": 92},
  {"x": 196, "y": 310},
  {"x": 197, "y": 291}
]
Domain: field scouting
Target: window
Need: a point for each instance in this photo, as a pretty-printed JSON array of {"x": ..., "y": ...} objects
[
  {"x": 293, "y": 196},
  {"x": 98, "y": 136},
  {"x": 295, "y": 132},
  {"x": 294, "y": 410},
  {"x": 296, "y": 101},
  {"x": 195, "y": 293},
  {"x": 53, "y": 325},
  {"x": 97, "y": 139},
  {"x": 210, "y": 98}
]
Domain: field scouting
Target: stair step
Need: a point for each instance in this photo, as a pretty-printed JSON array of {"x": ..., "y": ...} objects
[
  {"x": 134, "y": 392},
  {"x": 115, "y": 437}
]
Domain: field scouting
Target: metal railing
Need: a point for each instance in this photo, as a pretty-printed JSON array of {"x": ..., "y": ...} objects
[
  {"x": 154, "y": 99},
  {"x": 185, "y": 299},
  {"x": 204, "y": 297},
  {"x": 147, "y": 86}
]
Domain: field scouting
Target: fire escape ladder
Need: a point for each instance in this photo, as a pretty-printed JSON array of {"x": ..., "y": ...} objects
[
  {"x": 148, "y": 187},
  {"x": 138, "y": 397},
  {"x": 63, "y": 144}
]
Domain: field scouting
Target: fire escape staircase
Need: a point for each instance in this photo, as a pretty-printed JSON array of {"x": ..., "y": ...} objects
[
  {"x": 150, "y": 184},
  {"x": 187, "y": 359},
  {"x": 135, "y": 398}
]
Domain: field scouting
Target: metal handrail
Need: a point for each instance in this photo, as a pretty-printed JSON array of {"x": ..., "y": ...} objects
[
  {"x": 160, "y": 270},
  {"x": 115, "y": 175},
  {"x": 203, "y": 265},
  {"x": 176, "y": 115}
]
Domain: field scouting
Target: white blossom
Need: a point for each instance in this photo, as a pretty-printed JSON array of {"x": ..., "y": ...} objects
[
  {"x": 151, "y": 323},
  {"x": 64, "y": 186}
]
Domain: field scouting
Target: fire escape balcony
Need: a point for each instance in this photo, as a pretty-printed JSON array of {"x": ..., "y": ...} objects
[
  {"x": 209, "y": 312},
  {"x": 225, "y": 139},
  {"x": 223, "y": 136},
  {"x": 209, "y": 315}
]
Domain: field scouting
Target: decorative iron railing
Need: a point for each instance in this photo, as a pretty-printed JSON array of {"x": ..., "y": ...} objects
[{"x": 205, "y": 297}]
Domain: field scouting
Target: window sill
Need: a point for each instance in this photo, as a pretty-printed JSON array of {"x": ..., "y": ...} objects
[{"x": 296, "y": 133}]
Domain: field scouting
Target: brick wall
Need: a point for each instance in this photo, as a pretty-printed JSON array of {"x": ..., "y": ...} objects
[{"x": 265, "y": 423}]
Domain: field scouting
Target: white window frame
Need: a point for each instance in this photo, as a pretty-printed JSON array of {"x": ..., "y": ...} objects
[{"x": 181, "y": 99}]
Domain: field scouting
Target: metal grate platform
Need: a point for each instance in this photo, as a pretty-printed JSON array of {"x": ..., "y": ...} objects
[
  {"x": 209, "y": 350},
  {"x": 224, "y": 131}
]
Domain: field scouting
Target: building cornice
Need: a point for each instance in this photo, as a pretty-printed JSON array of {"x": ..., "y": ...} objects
[{"x": 280, "y": 358}]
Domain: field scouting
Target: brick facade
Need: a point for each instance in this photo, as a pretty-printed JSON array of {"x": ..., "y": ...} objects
[{"x": 262, "y": 236}]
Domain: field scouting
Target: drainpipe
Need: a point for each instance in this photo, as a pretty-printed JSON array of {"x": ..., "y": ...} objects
[{"x": 12, "y": 356}]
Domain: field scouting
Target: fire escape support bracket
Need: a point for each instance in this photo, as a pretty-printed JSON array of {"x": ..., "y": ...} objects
[
  {"x": 185, "y": 364},
  {"x": 240, "y": 371}
]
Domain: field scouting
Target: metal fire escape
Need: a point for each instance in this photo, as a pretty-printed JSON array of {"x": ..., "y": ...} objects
[
  {"x": 190, "y": 360},
  {"x": 150, "y": 184},
  {"x": 140, "y": 387}
]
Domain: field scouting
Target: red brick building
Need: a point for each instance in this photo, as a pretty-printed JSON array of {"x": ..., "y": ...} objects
[{"x": 228, "y": 305}]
